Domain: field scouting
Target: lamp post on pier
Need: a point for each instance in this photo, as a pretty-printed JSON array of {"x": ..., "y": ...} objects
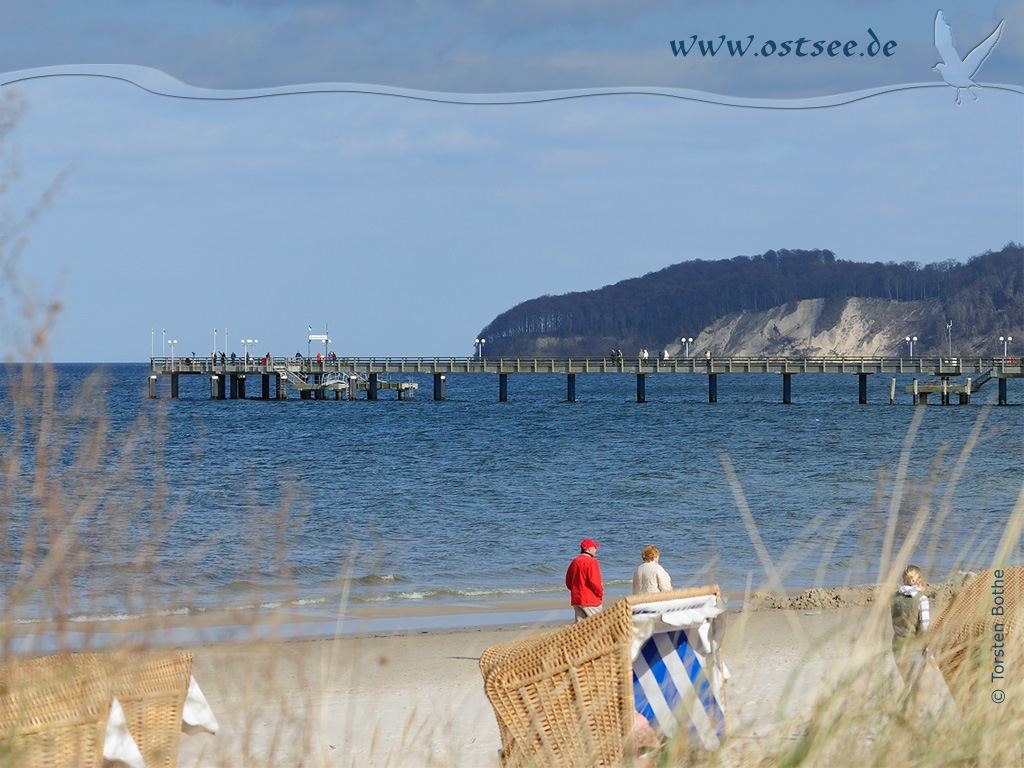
[
  {"x": 949, "y": 333},
  {"x": 910, "y": 340},
  {"x": 245, "y": 346},
  {"x": 480, "y": 347},
  {"x": 1006, "y": 343},
  {"x": 687, "y": 342},
  {"x": 172, "y": 342}
]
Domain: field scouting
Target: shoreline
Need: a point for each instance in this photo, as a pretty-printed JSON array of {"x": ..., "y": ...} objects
[{"x": 380, "y": 619}]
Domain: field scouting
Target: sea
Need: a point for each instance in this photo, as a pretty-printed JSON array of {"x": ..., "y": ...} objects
[{"x": 115, "y": 504}]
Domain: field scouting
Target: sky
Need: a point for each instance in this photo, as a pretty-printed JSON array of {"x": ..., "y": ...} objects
[{"x": 402, "y": 222}]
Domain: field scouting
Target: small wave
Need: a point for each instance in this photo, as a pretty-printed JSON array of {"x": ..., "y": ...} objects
[{"x": 441, "y": 594}]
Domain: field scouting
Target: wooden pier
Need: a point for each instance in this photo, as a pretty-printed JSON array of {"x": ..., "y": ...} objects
[{"x": 345, "y": 377}]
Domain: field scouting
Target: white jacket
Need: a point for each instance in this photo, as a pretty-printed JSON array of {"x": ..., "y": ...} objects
[{"x": 651, "y": 577}]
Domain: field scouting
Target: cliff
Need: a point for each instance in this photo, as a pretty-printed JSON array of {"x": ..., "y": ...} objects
[{"x": 787, "y": 302}]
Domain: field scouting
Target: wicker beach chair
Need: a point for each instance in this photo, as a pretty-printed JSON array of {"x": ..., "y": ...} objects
[
  {"x": 54, "y": 712},
  {"x": 566, "y": 697},
  {"x": 964, "y": 637}
]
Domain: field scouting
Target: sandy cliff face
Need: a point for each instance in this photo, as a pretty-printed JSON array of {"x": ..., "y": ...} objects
[{"x": 849, "y": 327}]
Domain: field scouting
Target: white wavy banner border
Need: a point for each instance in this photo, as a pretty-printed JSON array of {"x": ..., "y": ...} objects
[{"x": 159, "y": 83}]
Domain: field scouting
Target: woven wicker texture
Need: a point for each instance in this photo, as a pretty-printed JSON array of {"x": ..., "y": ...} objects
[
  {"x": 962, "y": 639},
  {"x": 152, "y": 688},
  {"x": 565, "y": 697},
  {"x": 53, "y": 712},
  {"x": 56, "y": 708}
]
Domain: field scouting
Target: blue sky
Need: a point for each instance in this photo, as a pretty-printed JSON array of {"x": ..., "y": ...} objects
[{"x": 407, "y": 225}]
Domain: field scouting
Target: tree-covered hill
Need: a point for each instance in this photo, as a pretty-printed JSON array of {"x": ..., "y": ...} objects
[{"x": 983, "y": 297}]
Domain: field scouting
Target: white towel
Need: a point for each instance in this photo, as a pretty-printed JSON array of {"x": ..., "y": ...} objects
[
  {"x": 197, "y": 717},
  {"x": 118, "y": 745}
]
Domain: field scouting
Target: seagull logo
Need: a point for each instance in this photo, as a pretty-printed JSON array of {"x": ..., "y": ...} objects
[{"x": 958, "y": 72}]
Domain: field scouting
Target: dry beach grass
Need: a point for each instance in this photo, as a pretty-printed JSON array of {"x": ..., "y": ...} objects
[{"x": 812, "y": 684}]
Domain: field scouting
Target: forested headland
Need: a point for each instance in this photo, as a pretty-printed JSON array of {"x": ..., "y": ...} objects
[{"x": 983, "y": 298}]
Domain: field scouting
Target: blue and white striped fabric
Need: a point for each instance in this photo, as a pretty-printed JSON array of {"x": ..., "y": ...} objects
[{"x": 674, "y": 687}]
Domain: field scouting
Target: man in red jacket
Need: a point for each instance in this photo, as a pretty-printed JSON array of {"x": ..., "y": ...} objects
[{"x": 583, "y": 580}]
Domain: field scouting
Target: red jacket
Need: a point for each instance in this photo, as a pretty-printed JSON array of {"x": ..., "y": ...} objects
[{"x": 583, "y": 579}]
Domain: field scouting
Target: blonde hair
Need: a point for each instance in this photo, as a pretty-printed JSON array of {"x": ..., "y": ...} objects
[
  {"x": 650, "y": 552},
  {"x": 911, "y": 575}
]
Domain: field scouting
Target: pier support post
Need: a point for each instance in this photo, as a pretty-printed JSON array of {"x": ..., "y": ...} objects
[
  {"x": 214, "y": 387},
  {"x": 965, "y": 396},
  {"x": 787, "y": 388},
  {"x": 892, "y": 392},
  {"x": 1002, "y": 391},
  {"x": 917, "y": 397},
  {"x": 503, "y": 387},
  {"x": 641, "y": 387},
  {"x": 152, "y": 386},
  {"x": 174, "y": 385},
  {"x": 265, "y": 394},
  {"x": 570, "y": 387},
  {"x": 371, "y": 393},
  {"x": 862, "y": 388},
  {"x": 282, "y": 387},
  {"x": 241, "y": 387},
  {"x": 945, "y": 390},
  {"x": 712, "y": 387},
  {"x": 234, "y": 386},
  {"x": 439, "y": 386}
]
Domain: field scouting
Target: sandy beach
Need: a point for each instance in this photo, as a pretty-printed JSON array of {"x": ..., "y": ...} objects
[{"x": 415, "y": 697}]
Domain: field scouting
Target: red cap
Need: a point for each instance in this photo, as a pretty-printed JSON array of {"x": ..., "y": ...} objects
[{"x": 588, "y": 543}]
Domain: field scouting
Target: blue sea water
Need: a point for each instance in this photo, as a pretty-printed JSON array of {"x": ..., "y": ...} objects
[{"x": 248, "y": 502}]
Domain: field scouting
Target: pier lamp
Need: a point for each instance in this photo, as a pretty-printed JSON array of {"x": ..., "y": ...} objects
[
  {"x": 687, "y": 342},
  {"x": 480, "y": 347},
  {"x": 172, "y": 342},
  {"x": 910, "y": 340},
  {"x": 1006, "y": 343}
]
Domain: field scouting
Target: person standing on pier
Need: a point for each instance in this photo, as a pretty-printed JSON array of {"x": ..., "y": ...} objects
[
  {"x": 649, "y": 576},
  {"x": 583, "y": 580}
]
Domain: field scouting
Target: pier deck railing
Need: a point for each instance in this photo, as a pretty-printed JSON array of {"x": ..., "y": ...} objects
[{"x": 927, "y": 366}]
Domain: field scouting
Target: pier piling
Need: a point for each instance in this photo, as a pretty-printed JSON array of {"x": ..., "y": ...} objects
[
  {"x": 570, "y": 387},
  {"x": 712, "y": 387},
  {"x": 862, "y": 388},
  {"x": 787, "y": 388},
  {"x": 1002, "y": 391},
  {"x": 439, "y": 386},
  {"x": 503, "y": 387},
  {"x": 641, "y": 387}
]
